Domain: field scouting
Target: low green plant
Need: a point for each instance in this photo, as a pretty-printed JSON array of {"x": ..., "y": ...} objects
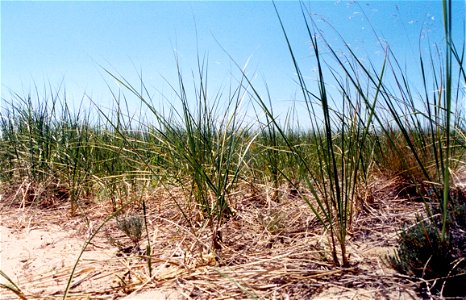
[
  {"x": 132, "y": 226},
  {"x": 423, "y": 253}
]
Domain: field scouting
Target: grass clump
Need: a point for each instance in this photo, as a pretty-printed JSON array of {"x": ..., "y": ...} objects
[
  {"x": 340, "y": 145},
  {"x": 434, "y": 249},
  {"x": 201, "y": 149}
]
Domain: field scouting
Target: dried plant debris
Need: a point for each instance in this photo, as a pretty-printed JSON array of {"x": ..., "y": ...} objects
[{"x": 267, "y": 257}]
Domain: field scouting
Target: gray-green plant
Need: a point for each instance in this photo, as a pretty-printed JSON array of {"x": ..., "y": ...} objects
[{"x": 132, "y": 226}]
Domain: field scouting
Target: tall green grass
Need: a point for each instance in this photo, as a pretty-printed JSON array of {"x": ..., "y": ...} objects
[
  {"x": 45, "y": 143},
  {"x": 340, "y": 142},
  {"x": 431, "y": 124},
  {"x": 203, "y": 147}
]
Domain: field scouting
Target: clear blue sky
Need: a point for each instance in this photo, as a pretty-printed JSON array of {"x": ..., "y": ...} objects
[{"x": 47, "y": 42}]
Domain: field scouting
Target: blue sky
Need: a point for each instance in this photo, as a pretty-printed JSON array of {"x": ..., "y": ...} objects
[{"x": 51, "y": 42}]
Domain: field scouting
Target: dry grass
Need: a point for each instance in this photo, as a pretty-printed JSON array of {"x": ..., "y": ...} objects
[{"x": 269, "y": 250}]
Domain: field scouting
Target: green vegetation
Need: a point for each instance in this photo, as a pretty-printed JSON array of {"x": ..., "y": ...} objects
[
  {"x": 132, "y": 226},
  {"x": 208, "y": 151}
]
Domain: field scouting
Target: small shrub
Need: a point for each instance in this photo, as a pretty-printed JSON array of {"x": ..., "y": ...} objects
[
  {"x": 275, "y": 223},
  {"x": 458, "y": 211},
  {"x": 422, "y": 253},
  {"x": 132, "y": 226}
]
